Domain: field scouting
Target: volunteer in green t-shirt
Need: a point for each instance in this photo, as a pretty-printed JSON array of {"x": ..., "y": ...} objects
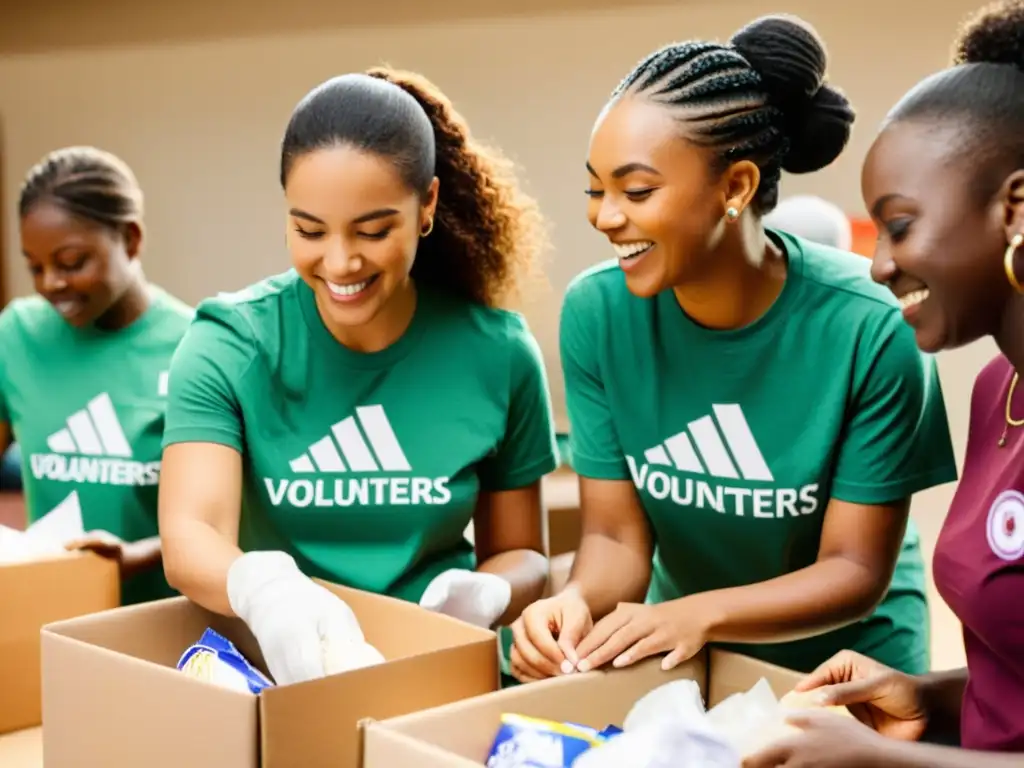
[
  {"x": 749, "y": 414},
  {"x": 83, "y": 365},
  {"x": 348, "y": 419}
]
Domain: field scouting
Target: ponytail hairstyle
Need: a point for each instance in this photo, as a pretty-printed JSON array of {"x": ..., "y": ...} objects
[
  {"x": 760, "y": 97},
  {"x": 487, "y": 235},
  {"x": 88, "y": 183},
  {"x": 981, "y": 97}
]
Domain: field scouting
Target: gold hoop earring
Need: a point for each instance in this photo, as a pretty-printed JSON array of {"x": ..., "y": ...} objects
[
  {"x": 429, "y": 228},
  {"x": 732, "y": 213},
  {"x": 1008, "y": 257}
]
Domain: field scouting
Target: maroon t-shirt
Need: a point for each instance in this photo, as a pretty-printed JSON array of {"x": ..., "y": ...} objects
[{"x": 979, "y": 566}]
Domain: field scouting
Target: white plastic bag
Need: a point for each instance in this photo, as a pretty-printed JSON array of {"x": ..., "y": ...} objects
[
  {"x": 46, "y": 537},
  {"x": 669, "y": 727},
  {"x": 679, "y": 701},
  {"x": 664, "y": 743}
]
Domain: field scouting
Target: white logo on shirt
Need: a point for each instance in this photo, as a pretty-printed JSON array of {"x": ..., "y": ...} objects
[
  {"x": 92, "y": 448},
  {"x": 367, "y": 444},
  {"x": 1005, "y": 527},
  {"x": 722, "y": 446}
]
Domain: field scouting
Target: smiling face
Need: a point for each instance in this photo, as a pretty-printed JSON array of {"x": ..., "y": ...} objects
[
  {"x": 353, "y": 229},
  {"x": 940, "y": 248},
  {"x": 653, "y": 194},
  {"x": 82, "y": 268}
]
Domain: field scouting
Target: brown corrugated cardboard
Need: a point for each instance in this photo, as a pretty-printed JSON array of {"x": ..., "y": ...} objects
[
  {"x": 112, "y": 697},
  {"x": 22, "y": 749},
  {"x": 33, "y": 594},
  {"x": 562, "y": 503},
  {"x": 460, "y": 735}
]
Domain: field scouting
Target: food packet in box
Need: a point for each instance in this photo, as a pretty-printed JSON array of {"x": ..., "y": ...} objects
[
  {"x": 216, "y": 660},
  {"x": 532, "y": 742}
]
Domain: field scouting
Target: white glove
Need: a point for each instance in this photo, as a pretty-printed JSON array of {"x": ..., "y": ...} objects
[
  {"x": 304, "y": 630},
  {"x": 474, "y": 597}
]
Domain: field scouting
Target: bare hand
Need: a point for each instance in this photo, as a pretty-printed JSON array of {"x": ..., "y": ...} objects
[
  {"x": 887, "y": 700},
  {"x": 634, "y": 631},
  {"x": 826, "y": 741},
  {"x": 546, "y": 635},
  {"x": 128, "y": 557}
]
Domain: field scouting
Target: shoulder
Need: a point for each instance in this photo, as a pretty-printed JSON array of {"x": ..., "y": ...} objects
[
  {"x": 173, "y": 315},
  {"x": 992, "y": 378},
  {"x": 30, "y": 316},
  {"x": 602, "y": 286},
  {"x": 169, "y": 305},
  {"x": 840, "y": 276},
  {"x": 837, "y": 286},
  {"x": 488, "y": 328},
  {"x": 251, "y": 311}
]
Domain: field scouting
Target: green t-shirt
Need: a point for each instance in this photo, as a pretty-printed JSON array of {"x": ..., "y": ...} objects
[
  {"x": 737, "y": 440},
  {"x": 87, "y": 407},
  {"x": 364, "y": 467}
]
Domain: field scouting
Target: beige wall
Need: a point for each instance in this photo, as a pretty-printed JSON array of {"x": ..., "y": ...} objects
[{"x": 200, "y": 121}]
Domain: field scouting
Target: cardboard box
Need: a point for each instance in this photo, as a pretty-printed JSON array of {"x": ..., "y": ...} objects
[
  {"x": 562, "y": 505},
  {"x": 33, "y": 594},
  {"x": 112, "y": 697},
  {"x": 460, "y": 735}
]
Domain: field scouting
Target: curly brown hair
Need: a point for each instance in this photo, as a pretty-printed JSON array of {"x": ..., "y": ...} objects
[{"x": 488, "y": 235}]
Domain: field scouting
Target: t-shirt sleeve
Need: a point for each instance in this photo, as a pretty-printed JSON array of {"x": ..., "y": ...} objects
[
  {"x": 527, "y": 451},
  {"x": 593, "y": 440},
  {"x": 896, "y": 440},
  {"x": 7, "y": 331},
  {"x": 206, "y": 370}
]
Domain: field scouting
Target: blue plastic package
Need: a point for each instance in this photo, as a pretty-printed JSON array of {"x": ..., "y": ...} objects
[
  {"x": 216, "y": 660},
  {"x": 531, "y": 742}
]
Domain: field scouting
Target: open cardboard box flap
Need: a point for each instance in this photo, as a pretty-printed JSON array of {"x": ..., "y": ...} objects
[
  {"x": 459, "y": 735},
  {"x": 113, "y": 698},
  {"x": 33, "y": 594}
]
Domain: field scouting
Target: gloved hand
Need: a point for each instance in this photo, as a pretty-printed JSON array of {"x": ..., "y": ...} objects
[
  {"x": 474, "y": 597},
  {"x": 304, "y": 630}
]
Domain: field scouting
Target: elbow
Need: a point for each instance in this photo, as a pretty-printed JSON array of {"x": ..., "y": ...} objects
[
  {"x": 865, "y": 590},
  {"x": 174, "y": 549},
  {"x": 173, "y": 571}
]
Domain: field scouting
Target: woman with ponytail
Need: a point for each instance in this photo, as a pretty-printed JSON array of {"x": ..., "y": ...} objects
[{"x": 349, "y": 418}]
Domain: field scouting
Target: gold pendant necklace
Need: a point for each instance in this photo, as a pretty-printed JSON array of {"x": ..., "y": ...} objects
[{"x": 1010, "y": 421}]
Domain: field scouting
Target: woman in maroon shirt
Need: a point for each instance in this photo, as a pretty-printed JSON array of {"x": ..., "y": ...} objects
[{"x": 944, "y": 181}]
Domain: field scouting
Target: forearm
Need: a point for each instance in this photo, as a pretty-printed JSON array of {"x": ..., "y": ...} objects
[
  {"x": 814, "y": 600},
  {"x": 943, "y": 695},
  {"x": 196, "y": 560},
  {"x": 911, "y": 754},
  {"x": 526, "y": 571},
  {"x": 607, "y": 572}
]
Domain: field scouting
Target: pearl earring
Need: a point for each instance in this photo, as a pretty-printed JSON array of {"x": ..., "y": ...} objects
[{"x": 732, "y": 213}]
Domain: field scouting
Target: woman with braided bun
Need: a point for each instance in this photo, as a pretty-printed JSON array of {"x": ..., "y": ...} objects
[
  {"x": 749, "y": 414},
  {"x": 944, "y": 181},
  {"x": 349, "y": 418}
]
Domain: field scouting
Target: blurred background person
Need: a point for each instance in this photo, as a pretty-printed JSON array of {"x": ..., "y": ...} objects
[
  {"x": 812, "y": 218},
  {"x": 84, "y": 362}
]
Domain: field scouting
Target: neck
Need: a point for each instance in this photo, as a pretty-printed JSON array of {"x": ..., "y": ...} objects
[
  {"x": 1010, "y": 336},
  {"x": 746, "y": 278},
  {"x": 386, "y": 327},
  {"x": 127, "y": 309}
]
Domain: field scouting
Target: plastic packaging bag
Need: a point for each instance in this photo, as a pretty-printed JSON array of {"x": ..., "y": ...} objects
[
  {"x": 531, "y": 742},
  {"x": 216, "y": 660}
]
